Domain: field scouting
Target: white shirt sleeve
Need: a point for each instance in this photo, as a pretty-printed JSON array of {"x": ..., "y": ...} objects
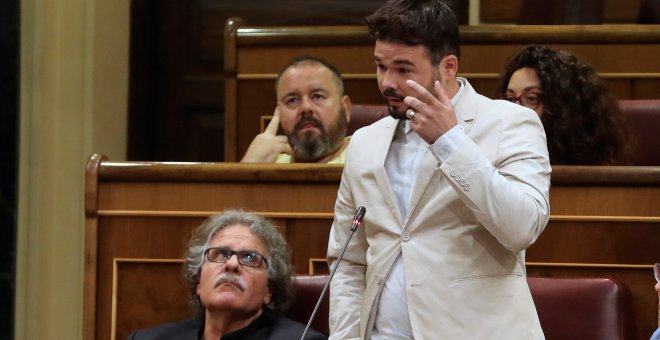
[{"x": 447, "y": 143}]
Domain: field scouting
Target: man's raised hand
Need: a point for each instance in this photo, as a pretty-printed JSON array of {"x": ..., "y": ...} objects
[
  {"x": 434, "y": 115},
  {"x": 267, "y": 145}
]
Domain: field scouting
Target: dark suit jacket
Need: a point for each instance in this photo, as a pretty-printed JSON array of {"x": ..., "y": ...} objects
[{"x": 265, "y": 327}]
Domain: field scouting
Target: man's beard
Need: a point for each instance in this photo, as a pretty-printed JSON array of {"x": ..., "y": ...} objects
[
  {"x": 311, "y": 146},
  {"x": 396, "y": 114}
]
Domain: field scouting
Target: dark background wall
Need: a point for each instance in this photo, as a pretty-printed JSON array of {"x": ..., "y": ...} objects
[{"x": 9, "y": 73}]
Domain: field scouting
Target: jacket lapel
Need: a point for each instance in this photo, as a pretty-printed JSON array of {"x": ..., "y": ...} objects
[
  {"x": 385, "y": 139},
  {"x": 465, "y": 110}
]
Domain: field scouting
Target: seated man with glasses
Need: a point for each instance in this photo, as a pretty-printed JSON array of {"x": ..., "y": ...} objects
[
  {"x": 238, "y": 271},
  {"x": 582, "y": 121}
]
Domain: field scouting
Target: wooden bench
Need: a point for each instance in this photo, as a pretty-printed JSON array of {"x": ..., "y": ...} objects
[
  {"x": 625, "y": 55},
  {"x": 605, "y": 222},
  {"x": 568, "y": 308},
  {"x": 642, "y": 115}
]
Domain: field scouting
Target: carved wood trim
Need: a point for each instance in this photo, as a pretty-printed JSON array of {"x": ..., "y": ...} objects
[
  {"x": 590, "y": 265},
  {"x": 471, "y": 75},
  {"x": 115, "y": 278},
  {"x": 326, "y": 173},
  {"x": 330, "y": 215},
  {"x": 480, "y": 34},
  {"x": 314, "y": 262},
  {"x": 91, "y": 244},
  {"x": 230, "y": 67},
  {"x": 209, "y": 172}
]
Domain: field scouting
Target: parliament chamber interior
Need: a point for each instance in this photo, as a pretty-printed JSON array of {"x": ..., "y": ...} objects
[{"x": 201, "y": 76}]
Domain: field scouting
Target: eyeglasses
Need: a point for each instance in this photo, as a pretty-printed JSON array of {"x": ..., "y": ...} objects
[
  {"x": 246, "y": 258},
  {"x": 526, "y": 99}
]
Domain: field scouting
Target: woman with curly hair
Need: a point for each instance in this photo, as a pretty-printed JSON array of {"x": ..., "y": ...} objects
[{"x": 582, "y": 121}]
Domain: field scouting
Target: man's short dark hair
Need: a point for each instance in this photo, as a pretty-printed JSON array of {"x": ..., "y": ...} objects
[
  {"x": 311, "y": 60},
  {"x": 429, "y": 23}
]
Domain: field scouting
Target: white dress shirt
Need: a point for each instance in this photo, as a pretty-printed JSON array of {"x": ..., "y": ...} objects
[{"x": 402, "y": 164}]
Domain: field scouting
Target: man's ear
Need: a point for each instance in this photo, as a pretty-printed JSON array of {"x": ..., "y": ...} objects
[
  {"x": 448, "y": 66},
  {"x": 346, "y": 104}
]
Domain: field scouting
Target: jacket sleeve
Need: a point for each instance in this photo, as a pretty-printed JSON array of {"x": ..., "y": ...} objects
[{"x": 509, "y": 196}]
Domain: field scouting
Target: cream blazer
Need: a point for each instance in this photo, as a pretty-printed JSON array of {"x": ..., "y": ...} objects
[{"x": 463, "y": 241}]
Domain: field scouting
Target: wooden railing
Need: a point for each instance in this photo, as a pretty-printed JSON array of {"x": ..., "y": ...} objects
[{"x": 605, "y": 222}]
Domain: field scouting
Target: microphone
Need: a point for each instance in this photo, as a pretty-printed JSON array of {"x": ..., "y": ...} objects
[{"x": 357, "y": 220}]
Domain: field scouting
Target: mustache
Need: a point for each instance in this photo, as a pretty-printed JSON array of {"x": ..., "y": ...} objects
[
  {"x": 308, "y": 119},
  {"x": 389, "y": 92},
  {"x": 234, "y": 279}
]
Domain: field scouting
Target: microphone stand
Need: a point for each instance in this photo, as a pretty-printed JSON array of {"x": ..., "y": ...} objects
[{"x": 356, "y": 222}]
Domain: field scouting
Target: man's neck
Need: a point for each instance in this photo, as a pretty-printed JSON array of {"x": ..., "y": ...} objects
[
  {"x": 452, "y": 87},
  {"x": 217, "y": 324}
]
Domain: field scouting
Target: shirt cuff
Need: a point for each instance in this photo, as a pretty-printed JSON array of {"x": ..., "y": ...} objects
[{"x": 447, "y": 143}]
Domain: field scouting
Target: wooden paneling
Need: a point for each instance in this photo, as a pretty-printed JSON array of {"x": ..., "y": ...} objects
[
  {"x": 624, "y": 55},
  {"x": 177, "y": 86},
  {"x": 605, "y": 222},
  {"x": 132, "y": 212},
  {"x": 176, "y": 80},
  {"x": 177, "y": 51},
  {"x": 146, "y": 293},
  {"x": 507, "y": 11},
  {"x": 134, "y": 237}
]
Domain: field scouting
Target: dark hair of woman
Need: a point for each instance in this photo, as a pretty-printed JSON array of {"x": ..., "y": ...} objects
[{"x": 582, "y": 121}]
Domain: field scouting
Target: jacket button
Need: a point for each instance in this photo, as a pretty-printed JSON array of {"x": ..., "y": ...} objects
[
  {"x": 466, "y": 187},
  {"x": 462, "y": 181},
  {"x": 378, "y": 279},
  {"x": 405, "y": 236},
  {"x": 453, "y": 173}
]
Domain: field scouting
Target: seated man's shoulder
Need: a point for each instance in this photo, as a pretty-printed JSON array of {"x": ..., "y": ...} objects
[
  {"x": 184, "y": 329},
  {"x": 285, "y": 328}
]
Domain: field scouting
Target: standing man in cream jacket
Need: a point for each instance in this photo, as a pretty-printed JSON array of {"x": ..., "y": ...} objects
[{"x": 456, "y": 187}]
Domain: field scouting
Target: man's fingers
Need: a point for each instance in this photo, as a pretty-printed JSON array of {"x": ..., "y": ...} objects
[
  {"x": 286, "y": 148},
  {"x": 282, "y": 143},
  {"x": 274, "y": 124},
  {"x": 422, "y": 93},
  {"x": 413, "y": 102}
]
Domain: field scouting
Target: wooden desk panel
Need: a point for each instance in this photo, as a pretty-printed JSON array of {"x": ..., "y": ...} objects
[
  {"x": 147, "y": 293},
  {"x": 605, "y": 222}
]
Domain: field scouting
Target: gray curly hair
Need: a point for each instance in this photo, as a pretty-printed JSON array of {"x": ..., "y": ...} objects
[{"x": 279, "y": 261}]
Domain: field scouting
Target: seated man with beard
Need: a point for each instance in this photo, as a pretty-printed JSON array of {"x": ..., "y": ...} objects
[{"x": 313, "y": 113}]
